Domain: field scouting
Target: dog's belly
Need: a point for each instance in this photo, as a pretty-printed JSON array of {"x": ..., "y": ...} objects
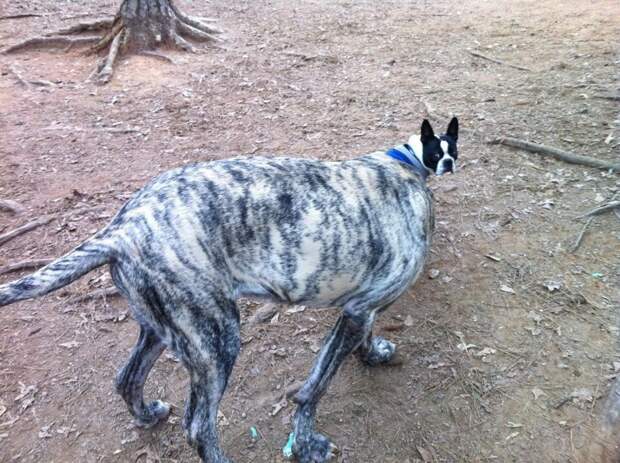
[{"x": 344, "y": 262}]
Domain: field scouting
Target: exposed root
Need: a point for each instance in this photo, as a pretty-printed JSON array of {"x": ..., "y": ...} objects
[
  {"x": 116, "y": 29},
  {"x": 195, "y": 33},
  {"x": 104, "y": 71},
  {"x": 49, "y": 42},
  {"x": 158, "y": 56},
  {"x": 97, "y": 25},
  {"x": 134, "y": 29},
  {"x": 195, "y": 22},
  {"x": 183, "y": 44}
]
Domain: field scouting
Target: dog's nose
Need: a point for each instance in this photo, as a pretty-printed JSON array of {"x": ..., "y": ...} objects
[{"x": 448, "y": 165}]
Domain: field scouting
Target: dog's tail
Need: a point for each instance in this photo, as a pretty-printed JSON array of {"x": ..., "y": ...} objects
[{"x": 89, "y": 255}]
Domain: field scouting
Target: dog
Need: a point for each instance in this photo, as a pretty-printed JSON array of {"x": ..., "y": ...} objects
[{"x": 352, "y": 234}]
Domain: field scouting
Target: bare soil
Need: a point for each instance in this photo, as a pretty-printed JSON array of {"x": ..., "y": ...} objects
[{"x": 508, "y": 352}]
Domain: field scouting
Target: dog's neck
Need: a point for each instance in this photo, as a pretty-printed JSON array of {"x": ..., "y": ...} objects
[{"x": 410, "y": 155}]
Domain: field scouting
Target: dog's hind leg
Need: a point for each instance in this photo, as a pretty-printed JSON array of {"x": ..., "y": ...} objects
[
  {"x": 350, "y": 330},
  {"x": 209, "y": 352},
  {"x": 131, "y": 378},
  {"x": 375, "y": 350}
]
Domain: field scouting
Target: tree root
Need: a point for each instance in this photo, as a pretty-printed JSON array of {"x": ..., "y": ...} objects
[
  {"x": 158, "y": 56},
  {"x": 128, "y": 33},
  {"x": 96, "y": 25},
  {"x": 105, "y": 69},
  {"x": 49, "y": 42}
]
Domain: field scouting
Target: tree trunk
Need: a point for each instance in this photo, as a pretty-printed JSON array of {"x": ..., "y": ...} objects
[
  {"x": 139, "y": 26},
  {"x": 148, "y": 24}
]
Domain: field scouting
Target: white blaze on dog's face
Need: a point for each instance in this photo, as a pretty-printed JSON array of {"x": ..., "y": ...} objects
[{"x": 438, "y": 154}]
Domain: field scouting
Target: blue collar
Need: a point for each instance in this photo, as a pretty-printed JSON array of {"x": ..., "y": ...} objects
[{"x": 404, "y": 153}]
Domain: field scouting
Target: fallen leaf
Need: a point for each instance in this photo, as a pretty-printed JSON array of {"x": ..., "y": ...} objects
[
  {"x": 44, "y": 432},
  {"x": 425, "y": 454},
  {"x": 534, "y": 330},
  {"x": 277, "y": 407},
  {"x": 69, "y": 345},
  {"x": 484, "y": 352},
  {"x": 552, "y": 285},
  {"x": 537, "y": 393},
  {"x": 221, "y": 419},
  {"x": 534, "y": 316},
  {"x": 296, "y": 309},
  {"x": 582, "y": 395},
  {"x": 263, "y": 314},
  {"x": 464, "y": 347},
  {"x": 513, "y": 435},
  {"x": 25, "y": 390},
  {"x": 507, "y": 289}
]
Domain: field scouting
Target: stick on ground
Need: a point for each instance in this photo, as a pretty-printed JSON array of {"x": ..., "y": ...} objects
[
  {"x": 11, "y": 206},
  {"x": 600, "y": 210},
  {"x": 556, "y": 153},
  {"x": 24, "y": 265},
  {"x": 24, "y": 229},
  {"x": 104, "y": 292},
  {"x": 581, "y": 235},
  {"x": 498, "y": 61}
]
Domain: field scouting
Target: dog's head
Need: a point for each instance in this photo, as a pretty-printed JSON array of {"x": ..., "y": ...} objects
[{"x": 438, "y": 154}]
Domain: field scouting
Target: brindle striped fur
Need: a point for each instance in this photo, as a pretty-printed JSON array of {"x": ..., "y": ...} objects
[{"x": 352, "y": 234}]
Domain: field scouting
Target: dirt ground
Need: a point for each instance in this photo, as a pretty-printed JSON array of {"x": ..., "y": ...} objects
[{"x": 509, "y": 350}]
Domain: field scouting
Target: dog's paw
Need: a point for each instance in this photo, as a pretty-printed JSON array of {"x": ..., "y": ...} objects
[
  {"x": 381, "y": 351},
  {"x": 154, "y": 412},
  {"x": 314, "y": 448}
]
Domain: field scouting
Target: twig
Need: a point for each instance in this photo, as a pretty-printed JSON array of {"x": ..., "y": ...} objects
[
  {"x": 104, "y": 292},
  {"x": 24, "y": 265},
  {"x": 581, "y": 235},
  {"x": 561, "y": 402},
  {"x": 497, "y": 61},
  {"x": 20, "y": 16},
  {"x": 11, "y": 206},
  {"x": 307, "y": 57},
  {"x": 96, "y": 129},
  {"x": 18, "y": 77},
  {"x": 24, "y": 229},
  {"x": 556, "y": 153},
  {"x": 600, "y": 210},
  {"x": 609, "y": 96}
]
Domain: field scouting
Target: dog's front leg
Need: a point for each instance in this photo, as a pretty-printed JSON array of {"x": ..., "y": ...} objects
[{"x": 351, "y": 329}]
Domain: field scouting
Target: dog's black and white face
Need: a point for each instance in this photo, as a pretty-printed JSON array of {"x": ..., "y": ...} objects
[{"x": 438, "y": 154}]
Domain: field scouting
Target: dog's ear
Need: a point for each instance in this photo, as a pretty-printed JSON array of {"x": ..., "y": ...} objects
[
  {"x": 426, "y": 132},
  {"x": 453, "y": 128}
]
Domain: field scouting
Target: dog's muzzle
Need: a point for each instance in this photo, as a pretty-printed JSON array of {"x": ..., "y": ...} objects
[{"x": 446, "y": 165}]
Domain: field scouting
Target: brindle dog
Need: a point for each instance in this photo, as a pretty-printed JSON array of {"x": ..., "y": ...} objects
[{"x": 351, "y": 234}]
